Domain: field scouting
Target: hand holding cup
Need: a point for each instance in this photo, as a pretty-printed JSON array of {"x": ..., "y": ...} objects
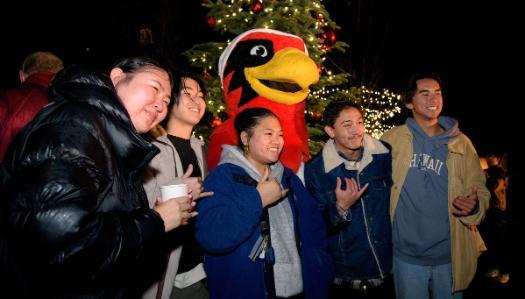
[{"x": 175, "y": 206}]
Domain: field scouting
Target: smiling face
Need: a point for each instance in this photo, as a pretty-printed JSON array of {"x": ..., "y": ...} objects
[
  {"x": 145, "y": 94},
  {"x": 348, "y": 131},
  {"x": 265, "y": 142},
  {"x": 191, "y": 107},
  {"x": 427, "y": 102}
]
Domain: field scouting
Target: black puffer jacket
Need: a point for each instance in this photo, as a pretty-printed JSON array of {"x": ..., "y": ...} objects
[{"x": 73, "y": 207}]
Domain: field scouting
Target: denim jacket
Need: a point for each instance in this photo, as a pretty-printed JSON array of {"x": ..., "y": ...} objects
[{"x": 360, "y": 242}]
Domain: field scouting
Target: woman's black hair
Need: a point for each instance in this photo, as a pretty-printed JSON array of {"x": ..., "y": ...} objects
[
  {"x": 131, "y": 65},
  {"x": 249, "y": 119}
]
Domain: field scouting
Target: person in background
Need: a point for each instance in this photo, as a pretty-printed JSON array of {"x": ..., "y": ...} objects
[
  {"x": 495, "y": 227},
  {"x": 74, "y": 211},
  {"x": 262, "y": 233},
  {"x": 19, "y": 105},
  {"x": 438, "y": 194},
  {"x": 184, "y": 276},
  {"x": 497, "y": 159},
  {"x": 351, "y": 179}
]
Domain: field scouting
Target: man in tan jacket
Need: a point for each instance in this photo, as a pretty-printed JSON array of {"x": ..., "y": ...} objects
[{"x": 438, "y": 194}]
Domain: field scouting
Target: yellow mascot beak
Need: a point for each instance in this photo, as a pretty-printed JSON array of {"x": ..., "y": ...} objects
[{"x": 284, "y": 79}]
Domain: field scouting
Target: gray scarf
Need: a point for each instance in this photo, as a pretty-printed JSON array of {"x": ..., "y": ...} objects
[{"x": 287, "y": 268}]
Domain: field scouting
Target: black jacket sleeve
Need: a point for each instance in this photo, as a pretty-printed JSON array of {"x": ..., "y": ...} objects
[{"x": 51, "y": 204}]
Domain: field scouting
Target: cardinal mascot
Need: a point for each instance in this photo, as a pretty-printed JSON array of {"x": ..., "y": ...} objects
[{"x": 270, "y": 69}]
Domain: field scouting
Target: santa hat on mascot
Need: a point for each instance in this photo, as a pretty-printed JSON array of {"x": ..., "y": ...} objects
[{"x": 270, "y": 69}]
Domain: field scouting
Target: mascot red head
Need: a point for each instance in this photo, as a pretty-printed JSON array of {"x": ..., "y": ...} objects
[{"x": 270, "y": 69}]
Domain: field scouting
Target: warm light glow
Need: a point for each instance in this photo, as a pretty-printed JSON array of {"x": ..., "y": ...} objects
[{"x": 378, "y": 106}]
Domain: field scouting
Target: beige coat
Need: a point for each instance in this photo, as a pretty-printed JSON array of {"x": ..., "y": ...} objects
[
  {"x": 464, "y": 171},
  {"x": 165, "y": 169}
]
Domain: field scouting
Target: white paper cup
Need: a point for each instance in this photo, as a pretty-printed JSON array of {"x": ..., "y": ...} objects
[{"x": 173, "y": 191}]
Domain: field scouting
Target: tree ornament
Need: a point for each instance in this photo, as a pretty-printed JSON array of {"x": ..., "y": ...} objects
[
  {"x": 212, "y": 21},
  {"x": 217, "y": 121},
  {"x": 206, "y": 74},
  {"x": 257, "y": 6},
  {"x": 320, "y": 17},
  {"x": 316, "y": 115},
  {"x": 329, "y": 36}
]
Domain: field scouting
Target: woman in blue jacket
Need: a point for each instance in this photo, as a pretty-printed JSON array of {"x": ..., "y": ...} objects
[{"x": 262, "y": 232}]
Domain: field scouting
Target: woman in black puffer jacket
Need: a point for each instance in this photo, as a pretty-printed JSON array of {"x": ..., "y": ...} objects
[{"x": 74, "y": 212}]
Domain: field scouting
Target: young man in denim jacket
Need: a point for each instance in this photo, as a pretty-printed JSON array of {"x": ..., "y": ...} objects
[{"x": 351, "y": 182}]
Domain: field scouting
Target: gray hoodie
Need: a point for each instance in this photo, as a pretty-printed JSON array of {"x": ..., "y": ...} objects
[{"x": 421, "y": 230}]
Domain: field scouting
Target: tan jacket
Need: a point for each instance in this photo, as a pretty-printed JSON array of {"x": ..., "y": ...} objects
[
  {"x": 166, "y": 169},
  {"x": 464, "y": 171}
]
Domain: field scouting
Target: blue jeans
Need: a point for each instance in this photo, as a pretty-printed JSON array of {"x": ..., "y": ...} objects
[{"x": 418, "y": 282}]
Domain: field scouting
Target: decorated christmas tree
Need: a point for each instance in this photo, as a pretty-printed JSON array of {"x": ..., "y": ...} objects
[{"x": 309, "y": 20}]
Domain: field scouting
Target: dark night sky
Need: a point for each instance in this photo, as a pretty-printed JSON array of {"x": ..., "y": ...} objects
[{"x": 469, "y": 44}]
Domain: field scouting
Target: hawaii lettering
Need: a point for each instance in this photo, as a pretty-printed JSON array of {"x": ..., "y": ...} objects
[{"x": 426, "y": 162}]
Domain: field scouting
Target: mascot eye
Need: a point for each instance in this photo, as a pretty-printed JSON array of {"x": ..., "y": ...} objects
[{"x": 259, "y": 50}]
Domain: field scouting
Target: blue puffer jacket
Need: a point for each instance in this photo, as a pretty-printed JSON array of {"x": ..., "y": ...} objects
[
  {"x": 228, "y": 226},
  {"x": 361, "y": 244}
]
